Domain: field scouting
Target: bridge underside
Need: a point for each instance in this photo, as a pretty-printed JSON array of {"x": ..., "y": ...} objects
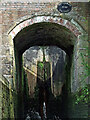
[{"x": 45, "y": 34}]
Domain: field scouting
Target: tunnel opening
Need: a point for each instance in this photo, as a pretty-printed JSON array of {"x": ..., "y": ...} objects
[
  {"x": 47, "y": 97},
  {"x": 42, "y": 34}
]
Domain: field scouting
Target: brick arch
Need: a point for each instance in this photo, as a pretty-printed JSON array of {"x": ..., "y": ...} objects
[
  {"x": 40, "y": 19},
  {"x": 29, "y": 22}
]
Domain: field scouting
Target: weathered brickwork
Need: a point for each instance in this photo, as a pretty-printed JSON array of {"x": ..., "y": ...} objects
[
  {"x": 38, "y": 19},
  {"x": 6, "y": 100},
  {"x": 14, "y": 17}
]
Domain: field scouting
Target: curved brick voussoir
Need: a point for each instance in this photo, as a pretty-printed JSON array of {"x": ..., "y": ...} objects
[{"x": 39, "y": 19}]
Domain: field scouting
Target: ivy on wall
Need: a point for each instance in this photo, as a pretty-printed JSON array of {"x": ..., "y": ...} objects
[{"x": 82, "y": 95}]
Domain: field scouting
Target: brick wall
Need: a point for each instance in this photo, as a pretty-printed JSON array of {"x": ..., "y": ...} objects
[
  {"x": 12, "y": 14},
  {"x": 7, "y": 100}
]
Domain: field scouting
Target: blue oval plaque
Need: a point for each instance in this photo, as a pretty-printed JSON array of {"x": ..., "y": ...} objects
[{"x": 64, "y": 7}]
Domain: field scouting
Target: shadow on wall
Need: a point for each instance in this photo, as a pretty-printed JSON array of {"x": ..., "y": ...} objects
[{"x": 58, "y": 76}]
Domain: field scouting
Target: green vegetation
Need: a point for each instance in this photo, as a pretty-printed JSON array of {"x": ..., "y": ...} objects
[
  {"x": 82, "y": 95},
  {"x": 85, "y": 64},
  {"x": 85, "y": 19},
  {"x": 41, "y": 65}
]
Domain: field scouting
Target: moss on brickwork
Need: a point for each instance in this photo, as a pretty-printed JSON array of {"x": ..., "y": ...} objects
[
  {"x": 0, "y": 99},
  {"x": 77, "y": 102},
  {"x": 5, "y": 102},
  {"x": 83, "y": 54},
  {"x": 77, "y": 111},
  {"x": 11, "y": 104},
  {"x": 8, "y": 110},
  {"x": 51, "y": 34}
]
